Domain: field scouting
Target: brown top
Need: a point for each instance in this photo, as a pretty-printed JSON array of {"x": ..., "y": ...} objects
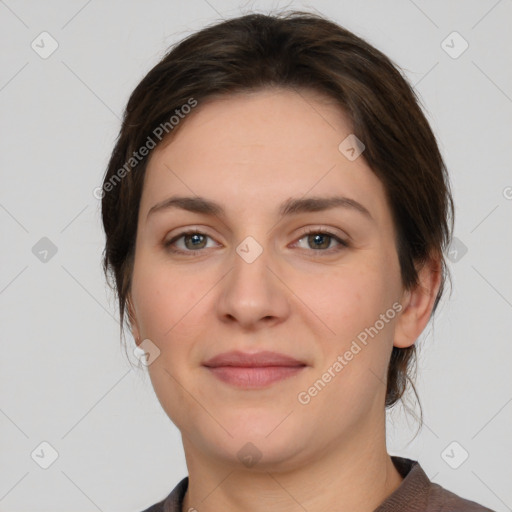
[{"x": 416, "y": 493}]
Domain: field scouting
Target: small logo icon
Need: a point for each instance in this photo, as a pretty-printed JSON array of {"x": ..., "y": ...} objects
[
  {"x": 249, "y": 249},
  {"x": 351, "y": 147},
  {"x": 44, "y": 250},
  {"x": 146, "y": 352},
  {"x": 44, "y": 455},
  {"x": 44, "y": 45},
  {"x": 454, "y": 45},
  {"x": 454, "y": 455},
  {"x": 457, "y": 250},
  {"x": 249, "y": 455}
]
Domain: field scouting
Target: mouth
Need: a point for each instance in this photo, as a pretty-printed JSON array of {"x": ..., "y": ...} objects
[{"x": 253, "y": 371}]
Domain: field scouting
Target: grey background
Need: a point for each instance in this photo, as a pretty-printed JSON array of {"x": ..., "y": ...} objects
[{"x": 64, "y": 379}]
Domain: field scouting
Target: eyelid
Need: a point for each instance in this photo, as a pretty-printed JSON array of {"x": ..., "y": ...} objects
[
  {"x": 343, "y": 242},
  {"x": 194, "y": 230},
  {"x": 333, "y": 232}
]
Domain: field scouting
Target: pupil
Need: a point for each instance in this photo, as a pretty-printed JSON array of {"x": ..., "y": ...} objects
[
  {"x": 318, "y": 238},
  {"x": 195, "y": 238}
]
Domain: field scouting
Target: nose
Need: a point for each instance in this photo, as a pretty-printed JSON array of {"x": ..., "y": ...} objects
[{"x": 253, "y": 294}]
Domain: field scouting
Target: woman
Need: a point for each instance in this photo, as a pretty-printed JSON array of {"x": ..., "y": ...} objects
[{"x": 276, "y": 210}]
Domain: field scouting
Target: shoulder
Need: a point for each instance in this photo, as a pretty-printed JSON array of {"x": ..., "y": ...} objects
[
  {"x": 417, "y": 493},
  {"x": 441, "y": 499},
  {"x": 173, "y": 502},
  {"x": 157, "y": 507}
]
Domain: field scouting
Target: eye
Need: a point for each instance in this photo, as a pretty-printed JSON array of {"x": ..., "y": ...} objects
[
  {"x": 195, "y": 241},
  {"x": 320, "y": 240}
]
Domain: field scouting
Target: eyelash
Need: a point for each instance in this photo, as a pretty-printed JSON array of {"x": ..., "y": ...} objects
[{"x": 307, "y": 231}]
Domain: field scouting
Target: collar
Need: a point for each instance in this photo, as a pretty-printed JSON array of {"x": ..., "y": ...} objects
[{"x": 410, "y": 496}]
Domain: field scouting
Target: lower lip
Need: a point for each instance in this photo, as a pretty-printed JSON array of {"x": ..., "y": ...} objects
[{"x": 254, "y": 377}]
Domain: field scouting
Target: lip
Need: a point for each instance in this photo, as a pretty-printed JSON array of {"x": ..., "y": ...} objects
[
  {"x": 253, "y": 371},
  {"x": 254, "y": 360}
]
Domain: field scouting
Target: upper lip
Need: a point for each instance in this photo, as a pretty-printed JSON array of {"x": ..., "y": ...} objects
[{"x": 257, "y": 359}]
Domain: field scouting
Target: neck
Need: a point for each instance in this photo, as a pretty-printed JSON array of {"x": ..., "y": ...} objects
[{"x": 355, "y": 476}]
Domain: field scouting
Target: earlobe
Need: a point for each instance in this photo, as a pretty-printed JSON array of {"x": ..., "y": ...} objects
[{"x": 418, "y": 304}]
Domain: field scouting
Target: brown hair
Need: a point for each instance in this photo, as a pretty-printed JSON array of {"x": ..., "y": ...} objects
[{"x": 296, "y": 50}]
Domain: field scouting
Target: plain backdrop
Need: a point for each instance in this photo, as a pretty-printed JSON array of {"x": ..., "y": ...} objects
[{"x": 64, "y": 379}]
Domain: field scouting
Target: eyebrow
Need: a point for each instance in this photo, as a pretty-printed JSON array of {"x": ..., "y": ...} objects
[{"x": 292, "y": 206}]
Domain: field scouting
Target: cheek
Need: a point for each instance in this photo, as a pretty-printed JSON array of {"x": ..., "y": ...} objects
[
  {"x": 168, "y": 307},
  {"x": 346, "y": 299},
  {"x": 166, "y": 297},
  {"x": 356, "y": 303}
]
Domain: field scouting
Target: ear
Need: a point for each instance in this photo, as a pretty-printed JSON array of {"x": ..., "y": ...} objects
[
  {"x": 418, "y": 304},
  {"x": 133, "y": 320}
]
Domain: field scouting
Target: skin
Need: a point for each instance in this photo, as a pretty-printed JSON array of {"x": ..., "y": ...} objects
[{"x": 251, "y": 152}]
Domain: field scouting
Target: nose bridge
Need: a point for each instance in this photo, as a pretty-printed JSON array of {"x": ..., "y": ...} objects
[
  {"x": 250, "y": 272},
  {"x": 251, "y": 291}
]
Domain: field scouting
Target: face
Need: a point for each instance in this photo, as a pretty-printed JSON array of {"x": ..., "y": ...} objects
[{"x": 320, "y": 285}]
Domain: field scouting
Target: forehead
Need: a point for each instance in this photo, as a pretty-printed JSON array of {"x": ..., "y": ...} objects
[
  {"x": 286, "y": 122},
  {"x": 259, "y": 148}
]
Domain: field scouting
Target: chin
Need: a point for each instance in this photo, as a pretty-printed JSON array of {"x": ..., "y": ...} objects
[
  {"x": 273, "y": 436},
  {"x": 257, "y": 454}
]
